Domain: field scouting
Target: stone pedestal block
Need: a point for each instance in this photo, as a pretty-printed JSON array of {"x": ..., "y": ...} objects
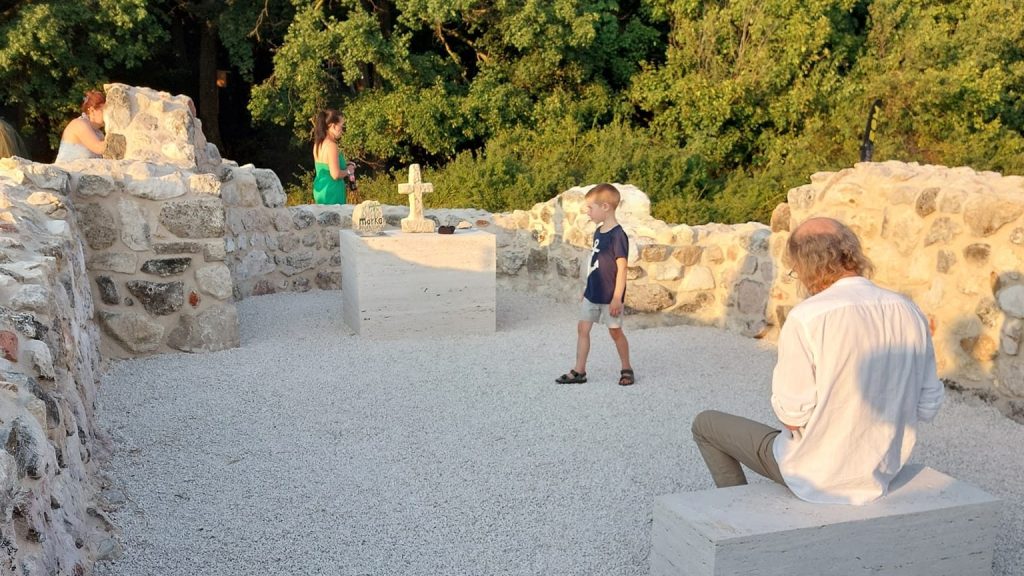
[
  {"x": 928, "y": 525},
  {"x": 400, "y": 285}
]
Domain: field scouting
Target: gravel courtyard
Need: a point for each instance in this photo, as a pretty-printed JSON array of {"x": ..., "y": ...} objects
[{"x": 309, "y": 450}]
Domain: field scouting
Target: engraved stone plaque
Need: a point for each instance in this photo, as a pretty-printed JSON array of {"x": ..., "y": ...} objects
[{"x": 368, "y": 219}]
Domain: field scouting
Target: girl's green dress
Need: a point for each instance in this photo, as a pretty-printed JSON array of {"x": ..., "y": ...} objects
[{"x": 327, "y": 190}]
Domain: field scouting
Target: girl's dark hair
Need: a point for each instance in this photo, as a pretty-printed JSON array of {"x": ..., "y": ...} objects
[
  {"x": 93, "y": 99},
  {"x": 321, "y": 122}
]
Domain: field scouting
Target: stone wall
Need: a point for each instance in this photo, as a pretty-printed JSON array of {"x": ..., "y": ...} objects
[
  {"x": 153, "y": 223},
  {"x": 952, "y": 239},
  {"x": 713, "y": 274},
  {"x": 276, "y": 248},
  {"x": 51, "y": 518}
]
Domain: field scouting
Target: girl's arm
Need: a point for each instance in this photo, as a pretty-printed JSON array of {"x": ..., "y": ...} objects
[{"x": 86, "y": 136}]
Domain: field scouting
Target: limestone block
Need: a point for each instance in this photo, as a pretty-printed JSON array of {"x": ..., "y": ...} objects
[
  {"x": 697, "y": 278},
  {"x": 780, "y": 219},
  {"x": 952, "y": 200},
  {"x": 215, "y": 280},
  {"x": 667, "y": 271},
  {"x": 178, "y": 248},
  {"x": 156, "y": 187},
  {"x": 95, "y": 185},
  {"x": 194, "y": 218},
  {"x": 247, "y": 188},
  {"x": 763, "y": 530},
  {"x": 654, "y": 252},
  {"x": 687, "y": 255},
  {"x": 255, "y": 263},
  {"x": 123, "y": 262},
  {"x": 204, "y": 184},
  {"x": 985, "y": 214},
  {"x": 302, "y": 218},
  {"x": 942, "y": 230},
  {"x": 447, "y": 284},
  {"x": 271, "y": 190},
  {"x": 1011, "y": 300},
  {"x": 648, "y": 297},
  {"x": 40, "y": 358},
  {"x": 208, "y": 331},
  {"x": 751, "y": 297},
  {"x": 926, "y": 201},
  {"x": 134, "y": 225},
  {"x": 98, "y": 226},
  {"x": 134, "y": 331},
  {"x": 108, "y": 290},
  {"x": 31, "y": 297},
  {"x": 713, "y": 254},
  {"x": 166, "y": 266},
  {"x": 158, "y": 298},
  {"x": 47, "y": 176},
  {"x": 803, "y": 197},
  {"x": 903, "y": 228}
]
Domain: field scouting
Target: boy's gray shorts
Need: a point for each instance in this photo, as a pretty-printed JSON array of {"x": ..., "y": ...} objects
[{"x": 590, "y": 312}]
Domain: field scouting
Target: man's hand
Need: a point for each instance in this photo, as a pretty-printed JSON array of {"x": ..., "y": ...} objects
[{"x": 615, "y": 307}]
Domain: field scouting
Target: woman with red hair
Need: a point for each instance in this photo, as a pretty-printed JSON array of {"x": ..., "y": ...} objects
[{"x": 82, "y": 137}]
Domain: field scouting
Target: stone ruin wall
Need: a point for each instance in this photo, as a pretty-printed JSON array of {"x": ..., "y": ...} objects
[
  {"x": 952, "y": 239},
  {"x": 147, "y": 251},
  {"x": 276, "y": 248},
  {"x": 713, "y": 274},
  {"x": 113, "y": 257},
  {"x": 52, "y": 508}
]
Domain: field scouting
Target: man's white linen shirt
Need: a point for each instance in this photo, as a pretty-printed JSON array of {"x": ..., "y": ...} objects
[{"x": 856, "y": 372}]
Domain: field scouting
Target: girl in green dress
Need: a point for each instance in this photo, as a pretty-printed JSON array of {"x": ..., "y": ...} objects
[{"x": 331, "y": 167}]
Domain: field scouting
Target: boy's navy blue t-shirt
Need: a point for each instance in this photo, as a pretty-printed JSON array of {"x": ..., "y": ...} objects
[{"x": 608, "y": 246}]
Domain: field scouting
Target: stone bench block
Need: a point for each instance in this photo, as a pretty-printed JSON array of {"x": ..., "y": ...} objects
[
  {"x": 400, "y": 285},
  {"x": 929, "y": 525}
]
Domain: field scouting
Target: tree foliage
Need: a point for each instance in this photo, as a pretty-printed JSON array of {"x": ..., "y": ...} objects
[
  {"x": 52, "y": 51},
  {"x": 713, "y": 108}
]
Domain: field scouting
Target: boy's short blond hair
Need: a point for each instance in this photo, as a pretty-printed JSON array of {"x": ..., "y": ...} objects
[{"x": 604, "y": 193}]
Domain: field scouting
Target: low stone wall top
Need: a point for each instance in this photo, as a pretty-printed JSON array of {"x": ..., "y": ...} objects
[{"x": 150, "y": 126}]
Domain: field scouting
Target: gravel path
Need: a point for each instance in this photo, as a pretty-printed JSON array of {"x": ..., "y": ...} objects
[{"x": 311, "y": 451}]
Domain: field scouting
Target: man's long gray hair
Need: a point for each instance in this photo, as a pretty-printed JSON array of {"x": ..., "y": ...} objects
[{"x": 821, "y": 257}]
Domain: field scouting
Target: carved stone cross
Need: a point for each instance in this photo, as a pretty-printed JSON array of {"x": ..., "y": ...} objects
[{"x": 415, "y": 189}]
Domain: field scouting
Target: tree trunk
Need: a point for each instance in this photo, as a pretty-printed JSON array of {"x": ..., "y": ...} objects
[{"x": 209, "y": 97}]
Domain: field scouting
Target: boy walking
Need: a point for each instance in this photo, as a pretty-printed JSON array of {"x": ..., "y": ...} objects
[{"x": 606, "y": 285}]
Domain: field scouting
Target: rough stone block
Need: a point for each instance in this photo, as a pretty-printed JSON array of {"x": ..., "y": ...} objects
[
  {"x": 928, "y": 525},
  {"x": 418, "y": 285}
]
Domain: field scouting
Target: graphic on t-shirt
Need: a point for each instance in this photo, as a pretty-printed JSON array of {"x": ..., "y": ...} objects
[{"x": 594, "y": 262}]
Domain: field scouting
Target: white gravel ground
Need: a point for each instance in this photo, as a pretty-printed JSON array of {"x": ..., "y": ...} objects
[{"x": 311, "y": 451}]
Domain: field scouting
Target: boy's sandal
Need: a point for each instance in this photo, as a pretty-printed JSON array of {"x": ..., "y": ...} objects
[
  {"x": 626, "y": 377},
  {"x": 573, "y": 377}
]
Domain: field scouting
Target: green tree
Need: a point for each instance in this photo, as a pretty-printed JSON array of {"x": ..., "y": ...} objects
[
  {"x": 427, "y": 79},
  {"x": 51, "y": 52}
]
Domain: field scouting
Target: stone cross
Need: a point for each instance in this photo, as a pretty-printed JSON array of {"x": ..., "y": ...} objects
[{"x": 415, "y": 189}]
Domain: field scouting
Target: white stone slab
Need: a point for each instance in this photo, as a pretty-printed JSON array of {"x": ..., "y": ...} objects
[
  {"x": 929, "y": 525},
  {"x": 401, "y": 285}
]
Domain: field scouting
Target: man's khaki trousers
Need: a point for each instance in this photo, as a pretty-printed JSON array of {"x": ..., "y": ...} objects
[{"x": 725, "y": 441}]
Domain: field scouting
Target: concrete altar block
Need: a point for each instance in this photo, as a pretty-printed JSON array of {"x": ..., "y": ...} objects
[
  {"x": 929, "y": 525},
  {"x": 399, "y": 285}
]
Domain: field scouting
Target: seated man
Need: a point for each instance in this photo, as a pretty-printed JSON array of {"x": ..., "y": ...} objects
[{"x": 855, "y": 374}]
